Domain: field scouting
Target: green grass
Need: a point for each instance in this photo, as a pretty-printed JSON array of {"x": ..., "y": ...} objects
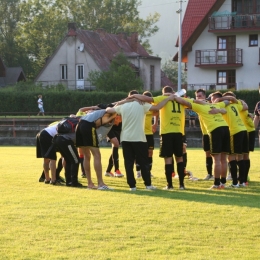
[{"x": 39, "y": 221}]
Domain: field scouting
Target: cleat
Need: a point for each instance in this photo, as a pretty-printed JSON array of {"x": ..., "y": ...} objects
[
  {"x": 133, "y": 189},
  {"x": 118, "y": 174},
  {"x": 168, "y": 188},
  {"x": 182, "y": 187},
  {"x": 215, "y": 187},
  {"x": 151, "y": 187},
  {"x": 209, "y": 178},
  {"x": 109, "y": 174}
]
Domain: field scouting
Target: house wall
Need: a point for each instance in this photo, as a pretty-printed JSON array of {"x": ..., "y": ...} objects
[
  {"x": 69, "y": 54},
  {"x": 247, "y": 76},
  {"x": 145, "y": 64}
]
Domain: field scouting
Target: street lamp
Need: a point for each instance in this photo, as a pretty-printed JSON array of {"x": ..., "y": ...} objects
[{"x": 180, "y": 45}]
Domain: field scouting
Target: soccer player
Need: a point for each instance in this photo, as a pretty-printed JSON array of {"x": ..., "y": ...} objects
[
  {"x": 238, "y": 136},
  {"x": 200, "y": 94},
  {"x": 172, "y": 122},
  {"x": 217, "y": 128},
  {"x": 149, "y": 130},
  {"x": 133, "y": 139}
]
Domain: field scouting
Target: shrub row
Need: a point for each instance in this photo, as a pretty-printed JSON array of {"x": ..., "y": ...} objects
[{"x": 71, "y": 101}]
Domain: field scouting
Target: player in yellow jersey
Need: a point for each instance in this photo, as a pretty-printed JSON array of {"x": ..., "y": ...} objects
[
  {"x": 250, "y": 127},
  {"x": 172, "y": 122},
  {"x": 238, "y": 136},
  {"x": 200, "y": 94},
  {"x": 217, "y": 128}
]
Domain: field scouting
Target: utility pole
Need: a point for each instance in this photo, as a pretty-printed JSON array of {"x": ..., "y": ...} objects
[{"x": 180, "y": 44}]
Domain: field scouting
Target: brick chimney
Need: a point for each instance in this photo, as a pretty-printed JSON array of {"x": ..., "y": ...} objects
[
  {"x": 101, "y": 32},
  {"x": 122, "y": 35},
  {"x": 134, "y": 41},
  {"x": 72, "y": 29}
]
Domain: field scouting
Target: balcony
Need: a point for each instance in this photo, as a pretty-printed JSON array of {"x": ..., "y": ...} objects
[
  {"x": 212, "y": 86},
  {"x": 232, "y": 22},
  {"x": 219, "y": 58}
]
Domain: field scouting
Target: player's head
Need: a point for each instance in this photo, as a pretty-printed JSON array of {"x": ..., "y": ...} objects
[
  {"x": 200, "y": 94},
  {"x": 148, "y": 94},
  {"x": 167, "y": 89},
  {"x": 229, "y": 93},
  {"x": 132, "y": 92},
  {"x": 215, "y": 95}
]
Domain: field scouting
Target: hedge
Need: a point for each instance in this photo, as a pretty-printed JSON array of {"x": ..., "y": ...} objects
[{"x": 71, "y": 101}]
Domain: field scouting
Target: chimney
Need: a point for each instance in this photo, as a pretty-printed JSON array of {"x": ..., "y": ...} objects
[
  {"x": 134, "y": 41},
  {"x": 101, "y": 32},
  {"x": 72, "y": 29},
  {"x": 122, "y": 35}
]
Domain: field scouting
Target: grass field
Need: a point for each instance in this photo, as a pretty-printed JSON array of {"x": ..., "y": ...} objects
[{"x": 40, "y": 221}]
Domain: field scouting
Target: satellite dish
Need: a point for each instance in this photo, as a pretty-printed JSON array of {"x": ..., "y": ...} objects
[{"x": 81, "y": 47}]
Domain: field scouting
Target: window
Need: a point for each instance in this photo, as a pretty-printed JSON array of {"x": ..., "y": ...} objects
[
  {"x": 64, "y": 72},
  {"x": 253, "y": 40},
  {"x": 246, "y": 6},
  {"x": 80, "y": 71},
  {"x": 227, "y": 77},
  {"x": 151, "y": 77}
]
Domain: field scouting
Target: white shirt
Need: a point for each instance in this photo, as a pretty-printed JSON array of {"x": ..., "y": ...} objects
[
  {"x": 40, "y": 103},
  {"x": 133, "y": 120}
]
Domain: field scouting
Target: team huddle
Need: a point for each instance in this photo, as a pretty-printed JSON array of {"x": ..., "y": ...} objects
[{"x": 227, "y": 128}]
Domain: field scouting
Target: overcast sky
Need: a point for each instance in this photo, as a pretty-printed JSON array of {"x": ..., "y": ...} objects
[{"x": 163, "y": 42}]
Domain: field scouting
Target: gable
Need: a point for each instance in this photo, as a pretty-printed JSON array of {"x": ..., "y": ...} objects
[{"x": 195, "y": 21}]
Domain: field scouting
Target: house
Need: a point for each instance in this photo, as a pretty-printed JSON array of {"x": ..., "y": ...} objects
[
  {"x": 220, "y": 44},
  {"x": 82, "y": 51},
  {"x": 10, "y": 76}
]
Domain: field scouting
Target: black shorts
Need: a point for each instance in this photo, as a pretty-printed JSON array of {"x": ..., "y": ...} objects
[
  {"x": 171, "y": 144},
  {"x": 220, "y": 140},
  {"x": 150, "y": 142},
  {"x": 239, "y": 143},
  {"x": 86, "y": 134},
  {"x": 44, "y": 146},
  {"x": 112, "y": 134},
  {"x": 184, "y": 139},
  {"x": 251, "y": 140},
  {"x": 206, "y": 143},
  {"x": 67, "y": 149}
]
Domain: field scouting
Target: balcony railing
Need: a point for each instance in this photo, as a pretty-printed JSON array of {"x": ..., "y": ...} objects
[
  {"x": 212, "y": 86},
  {"x": 216, "y": 58},
  {"x": 234, "y": 22}
]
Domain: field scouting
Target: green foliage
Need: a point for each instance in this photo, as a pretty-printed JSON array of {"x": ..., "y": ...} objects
[
  {"x": 119, "y": 77},
  {"x": 30, "y": 31},
  {"x": 170, "y": 68}
]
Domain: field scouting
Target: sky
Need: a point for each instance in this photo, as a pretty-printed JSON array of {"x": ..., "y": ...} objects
[{"x": 163, "y": 42}]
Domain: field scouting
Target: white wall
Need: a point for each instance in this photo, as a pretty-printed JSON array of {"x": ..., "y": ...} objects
[
  {"x": 69, "y": 54},
  {"x": 247, "y": 76}
]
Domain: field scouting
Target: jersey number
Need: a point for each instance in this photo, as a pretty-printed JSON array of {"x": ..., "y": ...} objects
[
  {"x": 174, "y": 108},
  {"x": 234, "y": 110}
]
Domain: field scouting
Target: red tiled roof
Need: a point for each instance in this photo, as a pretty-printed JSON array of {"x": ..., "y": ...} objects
[
  {"x": 196, "y": 14},
  {"x": 103, "y": 46}
]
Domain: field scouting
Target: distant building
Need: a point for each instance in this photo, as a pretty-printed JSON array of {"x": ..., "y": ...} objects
[
  {"x": 220, "y": 44},
  {"x": 82, "y": 51},
  {"x": 10, "y": 76}
]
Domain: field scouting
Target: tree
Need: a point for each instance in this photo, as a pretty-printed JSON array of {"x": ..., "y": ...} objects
[
  {"x": 170, "y": 68},
  {"x": 119, "y": 77},
  {"x": 40, "y": 25}
]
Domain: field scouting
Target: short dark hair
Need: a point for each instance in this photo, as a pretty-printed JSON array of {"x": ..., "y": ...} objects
[
  {"x": 148, "y": 94},
  {"x": 167, "y": 89},
  {"x": 201, "y": 90},
  {"x": 229, "y": 93},
  {"x": 132, "y": 92},
  {"x": 217, "y": 94}
]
